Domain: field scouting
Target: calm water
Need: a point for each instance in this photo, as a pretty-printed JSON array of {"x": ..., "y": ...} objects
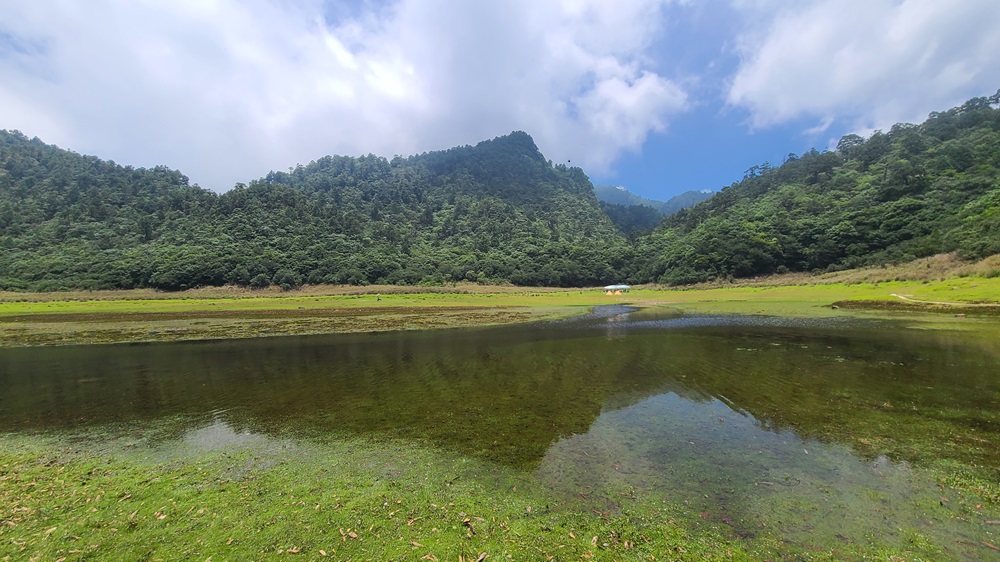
[{"x": 816, "y": 428}]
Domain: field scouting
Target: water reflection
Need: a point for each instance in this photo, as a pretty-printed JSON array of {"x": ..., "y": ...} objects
[
  {"x": 217, "y": 435},
  {"x": 724, "y": 465},
  {"x": 511, "y": 395}
]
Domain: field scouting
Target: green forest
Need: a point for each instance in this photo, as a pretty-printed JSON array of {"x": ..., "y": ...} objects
[
  {"x": 635, "y": 215},
  {"x": 914, "y": 191},
  {"x": 497, "y": 212}
]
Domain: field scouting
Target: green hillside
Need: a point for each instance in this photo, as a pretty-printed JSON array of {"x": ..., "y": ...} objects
[
  {"x": 634, "y": 215},
  {"x": 495, "y": 212},
  {"x": 632, "y": 220},
  {"x": 914, "y": 191}
]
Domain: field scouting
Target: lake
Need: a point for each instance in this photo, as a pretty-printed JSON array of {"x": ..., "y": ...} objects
[{"x": 817, "y": 432}]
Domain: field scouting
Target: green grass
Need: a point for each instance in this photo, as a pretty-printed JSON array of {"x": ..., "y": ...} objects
[
  {"x": 737, "y": 298},
  {"x": 343, "y": 499},
  {"x": 295, "y": 302},
  {"x": 310, "y": 499},
  {"x": 139, "y": 316}
]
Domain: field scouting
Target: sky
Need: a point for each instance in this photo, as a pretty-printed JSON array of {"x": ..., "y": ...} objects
[{"x": 658, "y": 96}]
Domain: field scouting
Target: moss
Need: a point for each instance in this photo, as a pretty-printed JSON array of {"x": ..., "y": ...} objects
[{"x": 312, "y": 500}]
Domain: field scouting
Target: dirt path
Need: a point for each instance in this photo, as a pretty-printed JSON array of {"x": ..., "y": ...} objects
[{"x": 961, "y": 304}]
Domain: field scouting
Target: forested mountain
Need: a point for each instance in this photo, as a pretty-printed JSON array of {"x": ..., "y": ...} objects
[
  {"x": 632, "y": 220},
  {"x": 495, "y": 212},
  {"x": 914, "y": 191},
  {"x": 634, "y": 215},
  {"x": 621, "y": 196},
  {"x": 683, "y": 201}
]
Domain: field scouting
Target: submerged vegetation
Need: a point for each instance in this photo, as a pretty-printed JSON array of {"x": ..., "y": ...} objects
[{"x": 279, "y": 499}]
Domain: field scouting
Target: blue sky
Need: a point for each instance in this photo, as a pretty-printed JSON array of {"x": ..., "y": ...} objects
[
  {"x": 659, "y": 96},
  {"x": 704, "y": 150}
]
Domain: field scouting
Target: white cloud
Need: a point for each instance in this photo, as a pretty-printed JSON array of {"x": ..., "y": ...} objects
[
  {"x": 227, "y": 90},
  {"x": 869, "y": 62}
]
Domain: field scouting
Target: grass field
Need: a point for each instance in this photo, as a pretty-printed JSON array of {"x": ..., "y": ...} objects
[
  {"x": 312, "y": 501},
  {"x": 221, "y": 313}
]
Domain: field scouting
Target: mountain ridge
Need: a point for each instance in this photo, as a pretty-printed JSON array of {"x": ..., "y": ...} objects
[
  {"x": 911, "y": 192},
  {"x": 619, "y": 195},
  {"x": 496, "y": 212},
  {"x": 634, "y": 215}
]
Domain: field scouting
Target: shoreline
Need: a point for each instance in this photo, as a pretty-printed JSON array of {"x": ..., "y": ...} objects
[{"x": 143, "y": 316}]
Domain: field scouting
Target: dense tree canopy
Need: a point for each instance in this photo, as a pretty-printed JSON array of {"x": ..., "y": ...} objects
[
  {"x": 914, "y": 191},
  {"x": 495, "y": 212},
  {"x": 632, "y": 220}
]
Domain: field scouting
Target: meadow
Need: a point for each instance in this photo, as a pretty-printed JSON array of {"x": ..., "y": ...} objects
[{"x": 68, "y": 318}]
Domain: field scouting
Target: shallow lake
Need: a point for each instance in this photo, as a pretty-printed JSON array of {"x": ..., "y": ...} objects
[{"x": 817, "y": 431}]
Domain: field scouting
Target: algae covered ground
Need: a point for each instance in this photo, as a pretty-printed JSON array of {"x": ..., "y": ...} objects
[
  {"x": 308, "y": 500},
  {"x": 261, "y": 498}
]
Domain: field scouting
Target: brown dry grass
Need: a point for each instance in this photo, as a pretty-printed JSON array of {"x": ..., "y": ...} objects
[{"x": 934, "y": 268}]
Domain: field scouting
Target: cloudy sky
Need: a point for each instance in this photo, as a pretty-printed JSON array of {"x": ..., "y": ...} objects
[{"x": 660, "y": 96}]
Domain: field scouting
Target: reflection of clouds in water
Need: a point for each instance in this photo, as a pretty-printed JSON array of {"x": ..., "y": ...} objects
[
  {"x": 219, "y": 435},
  {"x": 691, "y": 448},
  {"x": 617, "y": 319},
  {"x": 615, "y": 325}
]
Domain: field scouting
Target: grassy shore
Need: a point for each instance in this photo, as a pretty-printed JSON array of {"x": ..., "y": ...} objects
[
  {"x": 311, "y": 501},
  {"x": 222, "y": 313},
  {"x": 350, "y": 499}
]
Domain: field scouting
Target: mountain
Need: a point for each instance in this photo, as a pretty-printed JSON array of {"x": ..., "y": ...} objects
[
  {"x": 684, "y": 200},
  {"x": 634, "y": 215},
  {"x": 912, "y": 192},
  {"x": 620, "y": 196},
  {"x": 495, "y": 212},
  {"x": 632, "y": 220}
]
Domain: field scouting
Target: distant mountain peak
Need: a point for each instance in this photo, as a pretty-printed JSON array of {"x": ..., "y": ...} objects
[{"x": 620, "y": 195}]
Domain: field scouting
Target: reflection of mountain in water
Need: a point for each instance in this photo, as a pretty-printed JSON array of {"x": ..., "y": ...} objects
[
  {"x": 489, "y": 393},
  {"x": 508, "y": 394}
]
